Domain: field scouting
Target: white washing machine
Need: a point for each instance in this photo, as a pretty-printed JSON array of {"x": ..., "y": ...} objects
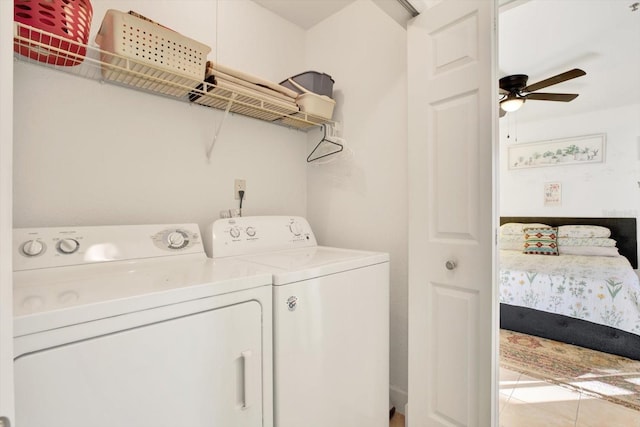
[
  {"x": 134, "y": 326},
  {"x": 331, "y": 321}
]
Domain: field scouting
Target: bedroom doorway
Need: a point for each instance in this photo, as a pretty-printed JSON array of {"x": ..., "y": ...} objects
[{"x": 575, "y": 35}]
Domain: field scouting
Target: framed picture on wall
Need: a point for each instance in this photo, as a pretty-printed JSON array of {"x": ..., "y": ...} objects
[
  {"x": 558, "y": 152},
  {"x": 552, "y": 194}
]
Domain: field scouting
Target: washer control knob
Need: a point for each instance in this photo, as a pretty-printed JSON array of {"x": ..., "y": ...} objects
[
  {"x": 234, "y": 232},
  {"x": 68, "y": 246},
  {"x": 250, "y": 231},
  {"x": 33, "y": 248},
  {"x": 295, "y": 228},
  {"x": 175, "y": 240},
  {"x": 451, "y": 265}
]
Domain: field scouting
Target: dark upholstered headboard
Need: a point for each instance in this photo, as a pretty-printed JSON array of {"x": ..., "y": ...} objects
[{"x": 623, "y": 230}]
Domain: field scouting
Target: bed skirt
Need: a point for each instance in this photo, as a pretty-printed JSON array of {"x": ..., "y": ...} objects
[{"x": 569, "y": 330}]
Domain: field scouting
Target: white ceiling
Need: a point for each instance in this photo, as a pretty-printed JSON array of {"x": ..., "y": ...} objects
[
  {"x": 304, "y": 13},
  {"x": 307, "y": 13},
  {"x": 542, "y": 38}
]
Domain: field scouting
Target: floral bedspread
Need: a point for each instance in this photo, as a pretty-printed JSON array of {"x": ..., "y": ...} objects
[{"x": 603, "y": 290}]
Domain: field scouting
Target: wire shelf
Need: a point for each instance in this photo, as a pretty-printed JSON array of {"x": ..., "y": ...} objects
[{"x": 45, "y": 49}]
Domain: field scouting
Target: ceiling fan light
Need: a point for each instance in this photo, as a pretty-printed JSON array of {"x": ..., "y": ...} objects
[{"x": 511, "y": 104}]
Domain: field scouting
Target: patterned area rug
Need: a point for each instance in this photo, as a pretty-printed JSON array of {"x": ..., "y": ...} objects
[{"x": 602, "y": 375}]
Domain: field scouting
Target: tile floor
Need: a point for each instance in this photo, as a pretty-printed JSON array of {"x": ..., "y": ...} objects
[
  {"x": 530, "y": 402},
  {"x": 526, "y": 401}
]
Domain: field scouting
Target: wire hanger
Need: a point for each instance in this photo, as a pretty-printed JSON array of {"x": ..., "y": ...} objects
[{"x": 330, "y": 140}]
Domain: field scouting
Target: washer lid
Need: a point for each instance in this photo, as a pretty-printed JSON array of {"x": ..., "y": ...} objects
[
  {"x": 56, "y": 297},
  {"x": 295, "y": 265}
]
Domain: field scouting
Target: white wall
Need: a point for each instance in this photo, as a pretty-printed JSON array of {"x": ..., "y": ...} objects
[
  {"x": 609, "y": 189},
  {"x": 360, "y": 200},
  {"x": 6, "y": 147},
  {"x": 90, "y": 153}
]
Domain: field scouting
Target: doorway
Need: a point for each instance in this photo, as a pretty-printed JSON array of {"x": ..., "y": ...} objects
[{"x": 542, "y": 39}]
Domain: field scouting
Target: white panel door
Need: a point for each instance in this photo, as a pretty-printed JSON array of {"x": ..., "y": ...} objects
[
  {"x": 6, "y": 226},
  {"x": 451, "y": 127},
  {"x": 200, "y": 370}
]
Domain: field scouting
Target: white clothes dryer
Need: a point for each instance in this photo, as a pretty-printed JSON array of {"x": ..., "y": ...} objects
[
  {"x": 331, "y": 321},
  {"x": 134, "y": 326}
]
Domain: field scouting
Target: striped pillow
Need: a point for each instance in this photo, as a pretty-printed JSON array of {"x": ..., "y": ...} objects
[{"x": 541, "y": 241}]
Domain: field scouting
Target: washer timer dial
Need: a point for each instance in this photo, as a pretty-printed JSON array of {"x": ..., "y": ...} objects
[
  {"x": 295, "y": 228},
  {"x": 176, "y": 240}
]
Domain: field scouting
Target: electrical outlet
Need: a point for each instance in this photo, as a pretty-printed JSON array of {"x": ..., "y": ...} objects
[{"x": 240, "y": 185}]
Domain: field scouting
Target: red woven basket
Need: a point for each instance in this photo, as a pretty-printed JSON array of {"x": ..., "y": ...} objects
[{"x": 59, "y": 27}]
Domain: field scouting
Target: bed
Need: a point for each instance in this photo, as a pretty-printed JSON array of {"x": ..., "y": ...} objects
[{"x": 588, "y": 300}]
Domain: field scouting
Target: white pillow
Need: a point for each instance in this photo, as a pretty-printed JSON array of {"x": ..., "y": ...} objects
[
  {"x": 511, "y": 228},
  {"x": 512, "y": 238},
  {"x": 589, "y": 250},
  {"x": 586, "y": 241},
  {"x": 512, "y": 245},
  {"x": 583, "y": 231}
]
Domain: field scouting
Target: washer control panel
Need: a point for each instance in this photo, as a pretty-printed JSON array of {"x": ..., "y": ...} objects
[
  {"x": 255, "y": 234},
  {"x": 36, "y": 248}
]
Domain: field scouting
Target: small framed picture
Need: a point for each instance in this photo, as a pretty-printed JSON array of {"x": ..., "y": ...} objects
[{"x": 552, "y": 194}]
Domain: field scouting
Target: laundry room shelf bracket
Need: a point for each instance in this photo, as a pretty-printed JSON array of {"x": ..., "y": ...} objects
[{"x": 219, "y": 128}]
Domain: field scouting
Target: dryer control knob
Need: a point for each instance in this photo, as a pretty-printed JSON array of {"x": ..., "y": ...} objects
[
  {"x": 250, "y": 231},
  {"x": 234, "y": 232},
  {"x": 295, "y": 228},
  {"x": 68, "y": 246},
  {"x": 33, "y": 248},
  {"x": 175, "y": 240}
]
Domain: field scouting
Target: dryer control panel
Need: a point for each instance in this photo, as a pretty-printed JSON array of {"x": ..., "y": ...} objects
[
  {"x": 36, "y": 248},
  {"x": 255, "y": 234}
]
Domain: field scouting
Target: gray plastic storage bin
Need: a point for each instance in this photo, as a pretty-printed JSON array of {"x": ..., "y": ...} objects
[{"x": 313, "y": 81}]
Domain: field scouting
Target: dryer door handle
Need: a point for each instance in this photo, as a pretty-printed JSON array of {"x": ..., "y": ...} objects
[{"x": 247, "y": 379}]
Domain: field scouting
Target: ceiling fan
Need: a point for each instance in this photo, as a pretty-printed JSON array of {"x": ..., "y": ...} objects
[{"x": 515, "y": 92}]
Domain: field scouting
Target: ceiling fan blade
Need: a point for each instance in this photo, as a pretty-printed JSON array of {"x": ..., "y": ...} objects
[
  {"x": 568, "y": 75},
  {"x": 505, "y": 92},
  {"x": 562, "y": 97}
]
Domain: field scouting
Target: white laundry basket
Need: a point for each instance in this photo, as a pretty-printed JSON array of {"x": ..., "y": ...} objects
[{"x": 142, "y": 53}]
